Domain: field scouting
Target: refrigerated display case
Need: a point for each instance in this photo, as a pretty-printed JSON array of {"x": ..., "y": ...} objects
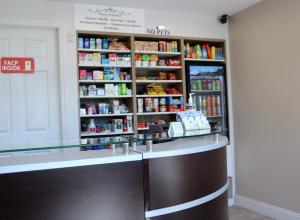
[{"x": 207, "y": 84}]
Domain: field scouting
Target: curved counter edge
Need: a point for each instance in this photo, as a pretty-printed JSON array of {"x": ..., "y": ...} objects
[
  {"x": 187, "y": 205},
  {"x": 185, "y": 146}
]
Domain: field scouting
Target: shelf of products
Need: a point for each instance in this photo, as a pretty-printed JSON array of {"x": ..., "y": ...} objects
[
  {"x": 109, "y": 91},
  {"x": 203, "y": 51}
]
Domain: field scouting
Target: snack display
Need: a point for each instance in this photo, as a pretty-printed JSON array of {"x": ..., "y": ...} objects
[
  {"x": 117, "y": 89},
  {"x": 161, "y": 46},
  {"x": 96, "y": 59},
  {"x": 157, "y": 89},
  {"x": 170, "y": 104},
  {"x": 102, "y": 43},
  {"x": 118, "y": 125},
  {"x": 108, "y": 73},
  {"x": 204, "y": 51}
]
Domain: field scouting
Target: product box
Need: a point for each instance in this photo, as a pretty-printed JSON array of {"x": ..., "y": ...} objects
[
  {"x": 92, "y": 90},
  {"x": 140, "y": 103},
  {"x": 89, "y": 59},
  {"x": 102, "y": 108},
  {"x": 129, "y": 123},
  {"x": 117, "y": 125},
  {"x": 117, "y": 73},
  {"x": 112, "y": 59},
  {"x": 108, "y": 73},
  {"x": 109, "y": 89},
  {"x": 98, "y": 75},
  {"x": 96, "y": 59},
  {"x": 116, "y": 106},
  {"x": 82, "y": 74},
  {"x": 82, "y": 58}
]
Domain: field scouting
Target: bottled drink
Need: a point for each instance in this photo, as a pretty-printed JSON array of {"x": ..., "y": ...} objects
[
  {"x": 204, "y": 105},
  {"x": 213, "y": 105}
]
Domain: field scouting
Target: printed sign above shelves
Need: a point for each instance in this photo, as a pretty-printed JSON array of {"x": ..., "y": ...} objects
[
  {"x": 109, "y": 19},
  {"x": 17, "y": 65}
]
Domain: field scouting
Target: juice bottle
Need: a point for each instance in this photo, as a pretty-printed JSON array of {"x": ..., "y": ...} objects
[
  {"x": 204, "y": 105},
  {"x": 204, "y": 52},
  {"x": 213, "y": 105},
  {"x": 187, "y": 51}
]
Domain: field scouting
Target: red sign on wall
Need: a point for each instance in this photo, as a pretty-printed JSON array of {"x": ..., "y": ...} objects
[{"x": 17, "y": 65}]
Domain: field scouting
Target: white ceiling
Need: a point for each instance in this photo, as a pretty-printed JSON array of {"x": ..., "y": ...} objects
[{"x": 206, "y": 7}]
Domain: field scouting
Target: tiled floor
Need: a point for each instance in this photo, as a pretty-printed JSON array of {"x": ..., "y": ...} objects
[{"x": 237, "y": 213}]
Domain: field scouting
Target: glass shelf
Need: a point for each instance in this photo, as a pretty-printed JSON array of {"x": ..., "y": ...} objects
[
  {"x": 100, "y": 143},
  {"x": 187, "y": 134}
]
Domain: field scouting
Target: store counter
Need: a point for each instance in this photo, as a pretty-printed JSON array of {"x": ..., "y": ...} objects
[
  {"x": 186, "y": 179},
  {"x": 181, "y": 179}
]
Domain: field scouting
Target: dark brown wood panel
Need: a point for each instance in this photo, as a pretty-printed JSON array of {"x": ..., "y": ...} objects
[
  {"x": 180, "y": 179},
  {"x": 101, "y": 192},
  {"x": 216, "y": 209}
]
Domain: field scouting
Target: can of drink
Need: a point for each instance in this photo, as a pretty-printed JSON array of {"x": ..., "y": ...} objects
[
  {"x": 214, "y": 84},
  {"x": 218, "y": 84},
  {"x": 80, "y": 42},
  {"x": 218, "y": 100},
  {"x": 209, "y": 84},
  {"x": 92, "y": 43}
]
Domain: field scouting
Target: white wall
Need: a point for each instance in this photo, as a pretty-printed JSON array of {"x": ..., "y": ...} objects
[{"x": 45, "y": 12}]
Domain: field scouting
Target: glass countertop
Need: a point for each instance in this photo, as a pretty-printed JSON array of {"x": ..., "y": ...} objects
[
  {"x": 104, "y": 143},
  {"x": 90, "y": 144}
]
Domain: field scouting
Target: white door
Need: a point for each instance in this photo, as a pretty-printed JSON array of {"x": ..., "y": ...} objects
[{"x": 30, "y": 103}]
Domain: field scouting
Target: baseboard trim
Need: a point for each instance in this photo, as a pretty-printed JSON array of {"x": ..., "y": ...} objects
[{"x": 266, "y": 209}]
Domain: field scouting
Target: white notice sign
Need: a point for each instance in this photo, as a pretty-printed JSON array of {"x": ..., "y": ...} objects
[{"x": 109, "y": 19}]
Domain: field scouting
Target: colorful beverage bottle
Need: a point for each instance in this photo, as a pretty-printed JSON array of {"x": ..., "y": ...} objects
[{"x": 204, "y": 52}]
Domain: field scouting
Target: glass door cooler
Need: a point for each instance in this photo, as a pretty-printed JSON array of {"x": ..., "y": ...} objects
[{"x": 207, "y": 84}]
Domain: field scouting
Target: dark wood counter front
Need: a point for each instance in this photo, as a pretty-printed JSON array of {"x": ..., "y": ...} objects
[
  {"x": 104, "y": 192},
  {"x": 180, "y": 179}
]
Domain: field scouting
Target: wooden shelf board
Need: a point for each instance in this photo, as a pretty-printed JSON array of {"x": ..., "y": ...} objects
[
  {"x": 104, "y": 65},
  {"x": 159, "y": 53},
  {"x": 204, "y": 60},
  {"x": 206, "y": 90},
  {"x": 104, "y": 51},
  {"x": 105, "y": 97},
  {"x": 159, "y": 67},
  {"x": 168, "y": 95},
  {"x": 158, "y": 81},
  {"x": 105, "y": 115},
  {"x": 156, "y": 113},
  {"x": 104, "y": 134},
  {"x": 105, "y": 81}
]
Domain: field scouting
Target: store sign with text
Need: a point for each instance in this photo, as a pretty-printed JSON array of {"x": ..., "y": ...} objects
[
  {"x": 109, "y": 19},
  {"x": 158, "y": 30},
  {"x": 17, "y": 65}
]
